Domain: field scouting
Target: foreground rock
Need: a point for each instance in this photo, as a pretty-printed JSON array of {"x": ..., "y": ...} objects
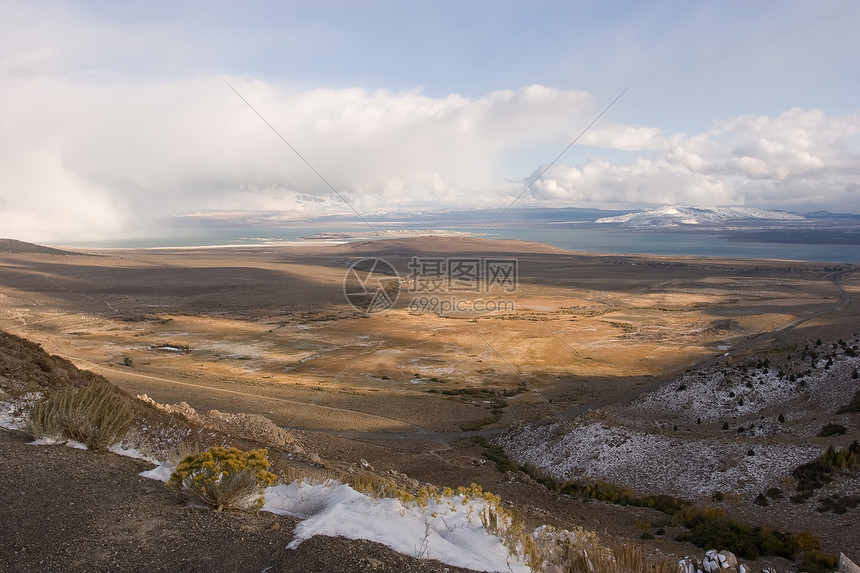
[{"x": 250, "y": 426}]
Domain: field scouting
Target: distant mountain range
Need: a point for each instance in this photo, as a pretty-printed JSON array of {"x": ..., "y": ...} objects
[
  {"x": 669, "y": 217},
  {"x": 678, "y": 216}
]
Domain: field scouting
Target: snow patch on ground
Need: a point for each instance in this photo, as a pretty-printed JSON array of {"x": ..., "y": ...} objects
[
  {"x": 123, "y": 449},
  {"x": 13, "y": 412},
  {"x": 53, "y": 441},
  {"x": 160, "y": 473},
  {"x": 449, "y": 530}
]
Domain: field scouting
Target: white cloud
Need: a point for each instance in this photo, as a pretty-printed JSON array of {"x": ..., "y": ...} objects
[
  {"x": 630, "y": 138},
  {"x": 130, "y": 151},
  {"x": 797, "y": 159},
  {"x": 96, "y": 158}
]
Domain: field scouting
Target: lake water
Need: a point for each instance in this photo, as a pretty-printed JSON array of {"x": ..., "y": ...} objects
[{"x": 574, "y": 238}]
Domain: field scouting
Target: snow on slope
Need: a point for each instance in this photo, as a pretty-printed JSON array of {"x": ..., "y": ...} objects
[
  {"x": 13, "y": 411},
  {"x": 636, "y": 444},
  {"x": 652, "y": 463},
  {"x": 677, "y": 216},
  {"x": 449, "y": 530},
  {"x": 718, "y": 393}
]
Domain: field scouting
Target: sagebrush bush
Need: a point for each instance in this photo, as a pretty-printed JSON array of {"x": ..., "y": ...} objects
[
  {"x": 224, "y": 477},
  {"x": 710, "y": 527},
  {"x": 95, "y": 414},
  {"x": 819, "y": 472},
  {"x": 832, "y": 430}
]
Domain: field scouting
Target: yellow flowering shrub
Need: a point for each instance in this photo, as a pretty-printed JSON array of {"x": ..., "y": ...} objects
[{"x": 224, "y": 477}]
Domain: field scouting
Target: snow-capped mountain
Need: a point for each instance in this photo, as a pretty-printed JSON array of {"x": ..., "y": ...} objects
[{"x": 678, "y": 216}]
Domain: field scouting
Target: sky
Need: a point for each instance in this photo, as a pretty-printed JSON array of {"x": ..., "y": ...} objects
[{"x": 117, "y": 115}]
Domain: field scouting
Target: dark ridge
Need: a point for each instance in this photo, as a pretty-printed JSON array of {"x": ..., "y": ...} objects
[{"x": 20, "y": 247}]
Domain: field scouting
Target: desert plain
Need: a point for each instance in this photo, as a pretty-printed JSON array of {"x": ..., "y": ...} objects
[{"x": 270, "y": 330}]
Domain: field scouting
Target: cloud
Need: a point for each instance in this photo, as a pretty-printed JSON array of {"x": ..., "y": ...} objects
[
  {"x": 798, "y": 159},
  {"x": 113, "y": 115},
  {"x": 125, "y": 152},
  {"x": 88, "y": 159}
]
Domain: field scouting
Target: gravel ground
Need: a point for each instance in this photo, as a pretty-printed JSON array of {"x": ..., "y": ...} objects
[{"x": 71, "y": 510}]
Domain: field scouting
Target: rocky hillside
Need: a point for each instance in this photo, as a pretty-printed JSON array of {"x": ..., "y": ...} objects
[{"x": 761, "y": 437}]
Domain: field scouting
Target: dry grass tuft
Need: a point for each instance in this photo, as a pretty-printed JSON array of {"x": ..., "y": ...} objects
[{"x": 96, "y": 415}]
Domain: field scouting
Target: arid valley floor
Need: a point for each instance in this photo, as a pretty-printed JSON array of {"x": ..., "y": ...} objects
[{"x": 268, "y": 330}]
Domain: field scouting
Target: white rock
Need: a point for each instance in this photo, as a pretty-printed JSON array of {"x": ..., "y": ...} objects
[{"x": 728, "y": 559}]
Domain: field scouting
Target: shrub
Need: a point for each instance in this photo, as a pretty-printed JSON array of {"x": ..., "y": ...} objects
[
  {"x": 224, "y": 477},
  {"x": 820, "y": 471},
  {"x": 818, "y": 562},
  {"x": 837, "y": 503},
  {"x": 709, "y": 527},
  {"x": 853, "y": 405},
  {"x": 832, "y": 430},
  {"x": 96, "y": 414},
  {"x": 497, "y": 455}
]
